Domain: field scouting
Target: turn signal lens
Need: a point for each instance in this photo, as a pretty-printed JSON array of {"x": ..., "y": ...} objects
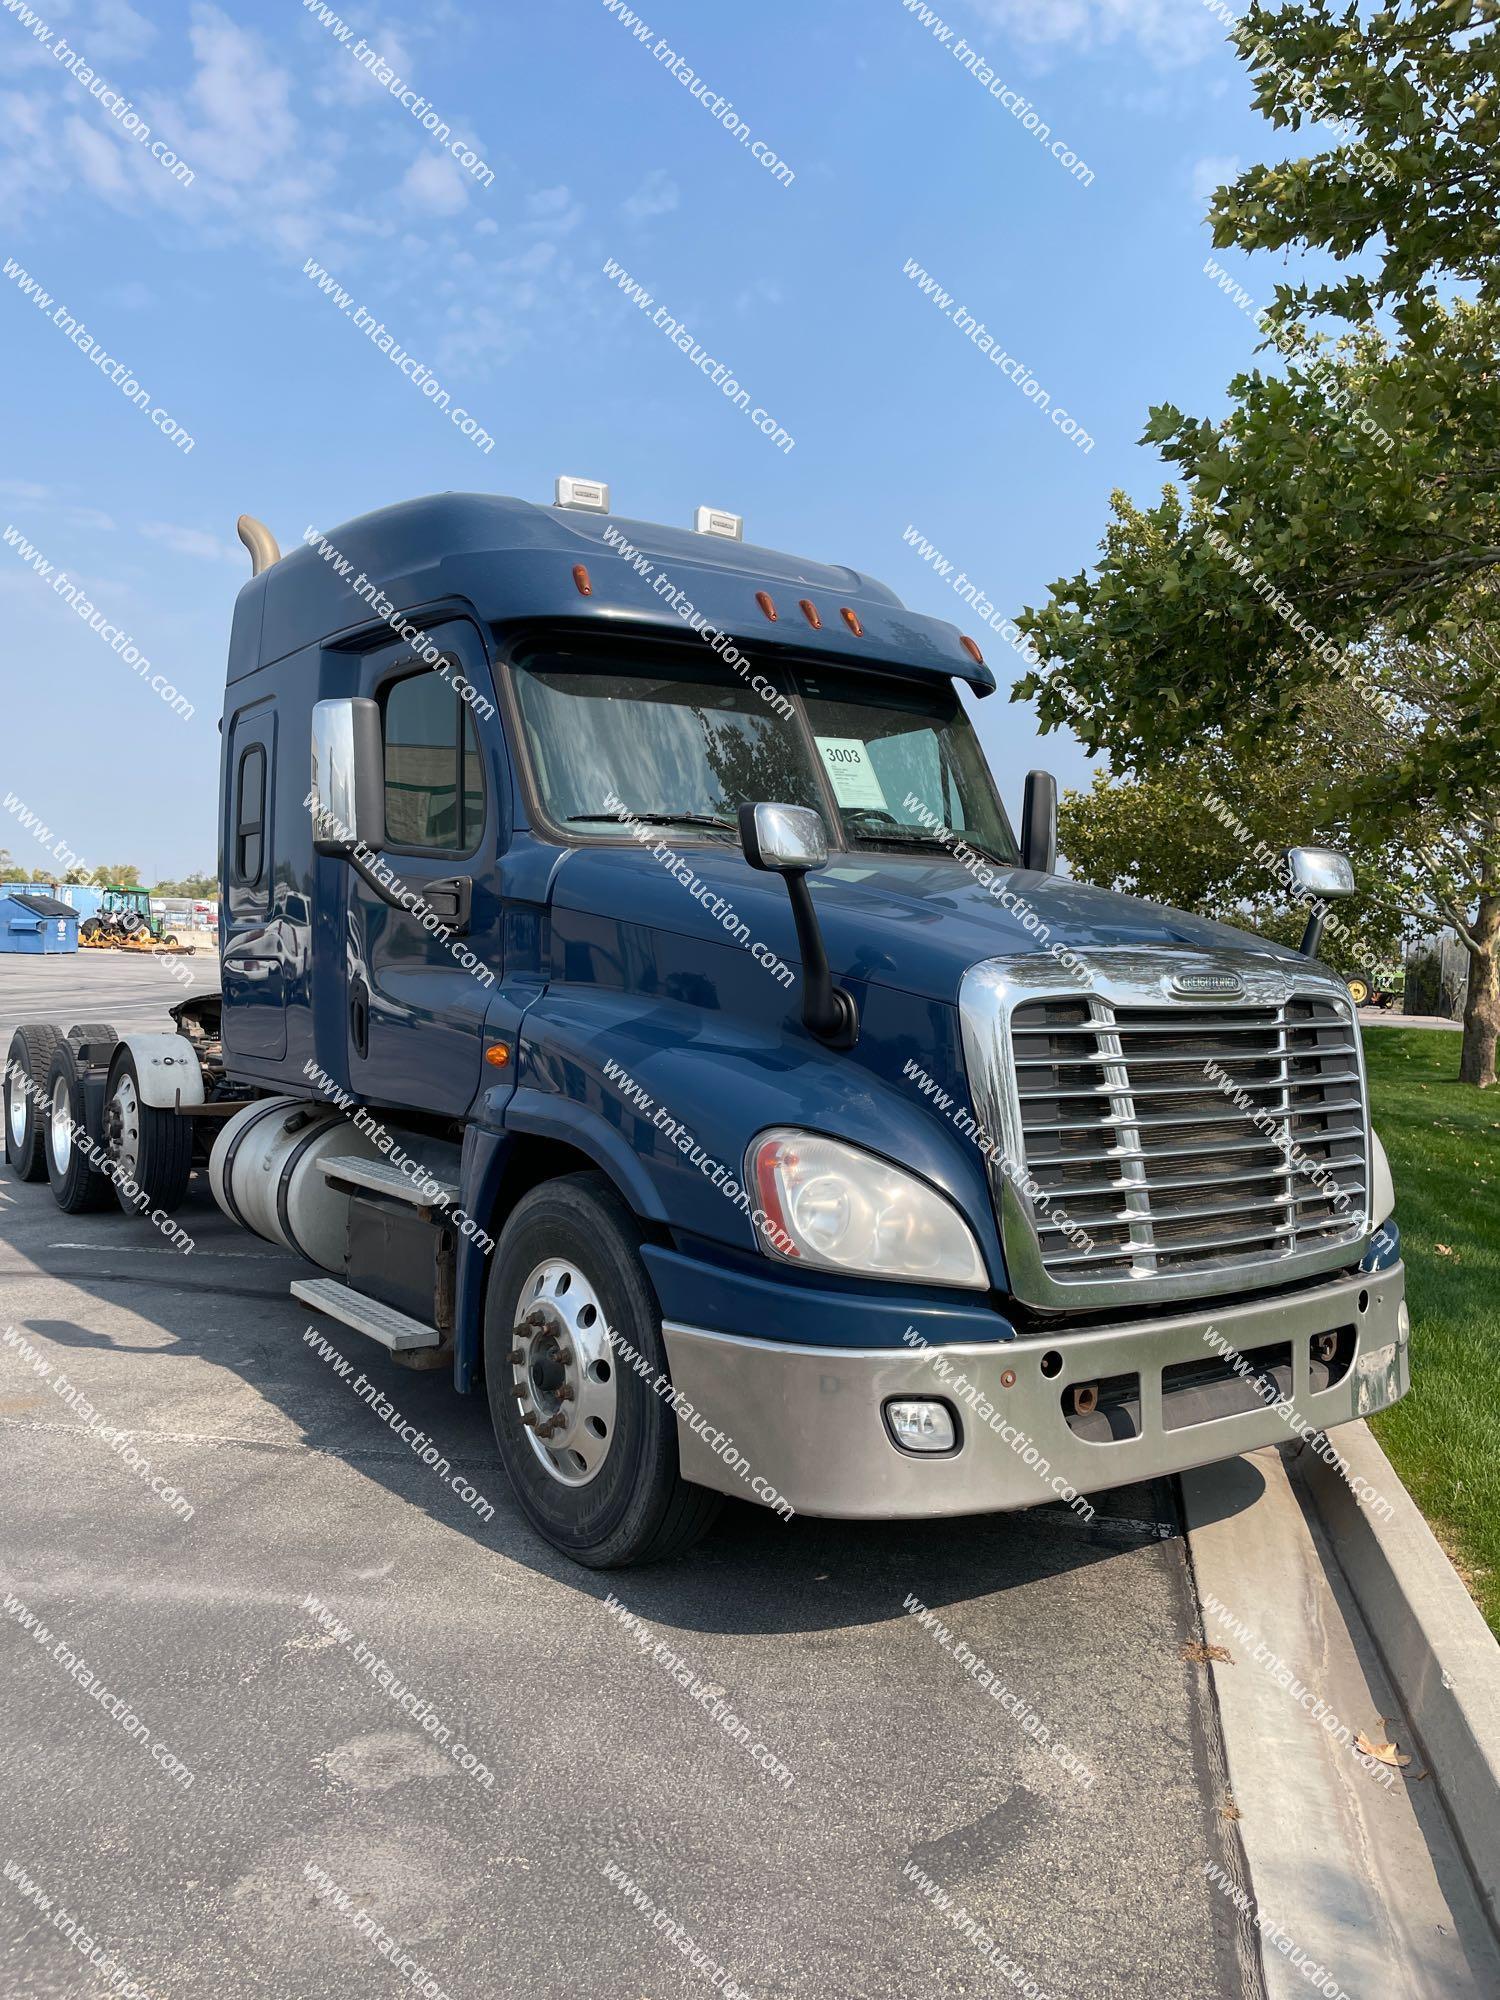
[
  {"x": 763, "y": 599},
  {"x": 581, "y": 578},
  {"x": 972, "y": 650}
]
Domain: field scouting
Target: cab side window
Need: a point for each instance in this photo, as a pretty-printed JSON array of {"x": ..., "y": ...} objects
[
  {"x": 434, "y": 784},
  {"x": 250, "y": 818}
]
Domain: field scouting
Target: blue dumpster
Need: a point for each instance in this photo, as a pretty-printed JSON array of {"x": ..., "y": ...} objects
[{"x": 30, "y": 923}]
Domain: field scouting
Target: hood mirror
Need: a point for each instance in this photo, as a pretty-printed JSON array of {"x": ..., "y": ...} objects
[
  {"x": 1320, "y": 872},
  {"x": 792, "y": 841}
]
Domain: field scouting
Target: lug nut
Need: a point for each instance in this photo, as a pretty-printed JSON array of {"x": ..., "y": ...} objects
[{"x": 517, "y": 1356}]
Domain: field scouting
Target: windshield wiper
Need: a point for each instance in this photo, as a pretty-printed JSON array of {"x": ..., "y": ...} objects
[
  {"x": 903, "y": 836},
  {"x": 658, "y": 819}
]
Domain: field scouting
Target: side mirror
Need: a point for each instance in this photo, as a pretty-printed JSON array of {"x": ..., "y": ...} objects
[
  {"x": 1321, "y": 872},
  {"x": 792, "y": 841},
  {"x": 347, "y": 799},
  {"x": 788, "y": 840},
  {"x": 1039, "y": 823}
]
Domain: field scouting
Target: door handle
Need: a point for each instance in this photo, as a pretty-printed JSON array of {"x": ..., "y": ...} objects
[
  {"x": 359, "y": 1016},
  {"x": 452, "y": 899}
]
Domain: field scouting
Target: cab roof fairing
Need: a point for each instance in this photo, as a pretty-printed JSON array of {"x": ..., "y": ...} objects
[{"x": 513, "y": 562}]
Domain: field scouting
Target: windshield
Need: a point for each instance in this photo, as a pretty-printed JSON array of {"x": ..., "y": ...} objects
[{"x": 684, "y": 741}]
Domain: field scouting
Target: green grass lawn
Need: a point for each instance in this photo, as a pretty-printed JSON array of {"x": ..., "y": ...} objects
[{"x": 1443, "y": 1138}]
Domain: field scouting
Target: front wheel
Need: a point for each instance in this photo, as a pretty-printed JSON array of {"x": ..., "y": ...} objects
[
  {"x": 572, "y": 1354},
  {"x": 1359, "y": 989}
]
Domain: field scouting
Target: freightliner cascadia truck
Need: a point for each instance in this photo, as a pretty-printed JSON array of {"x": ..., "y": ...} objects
[{"x": 635, "y": 998}]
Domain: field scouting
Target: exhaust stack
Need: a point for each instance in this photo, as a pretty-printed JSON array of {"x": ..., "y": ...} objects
[{"x": 259, "y": 540}]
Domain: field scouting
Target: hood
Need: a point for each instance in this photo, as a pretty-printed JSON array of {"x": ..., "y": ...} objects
[{"x": 913, "y": 922}]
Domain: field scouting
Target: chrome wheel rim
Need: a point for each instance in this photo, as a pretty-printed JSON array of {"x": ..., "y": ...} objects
[
  {"x": 15, "y": 1109},
  {"x": 563, "y": 1372},
  {"x": 122, "y": 1125},
  {"x": 62, "y": 1126}
]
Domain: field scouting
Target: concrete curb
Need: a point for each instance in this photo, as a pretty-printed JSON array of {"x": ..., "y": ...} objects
[{"x": 1440, "y": 1653}]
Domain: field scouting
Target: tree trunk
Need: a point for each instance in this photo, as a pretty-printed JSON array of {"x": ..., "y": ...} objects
[{"x": 1482, "y": 1008}]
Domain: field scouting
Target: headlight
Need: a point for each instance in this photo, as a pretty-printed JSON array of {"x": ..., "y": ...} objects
[{"x": 844, "y": 1209}]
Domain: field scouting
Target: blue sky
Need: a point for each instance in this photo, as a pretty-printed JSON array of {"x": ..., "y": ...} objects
[{"x": 597, "y": 152}]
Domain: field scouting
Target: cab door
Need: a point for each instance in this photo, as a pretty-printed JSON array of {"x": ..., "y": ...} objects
[{"x": 424, "y": 946}]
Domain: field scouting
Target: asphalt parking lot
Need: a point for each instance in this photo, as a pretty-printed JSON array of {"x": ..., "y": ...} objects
[{"x": 556, "y": 1748}]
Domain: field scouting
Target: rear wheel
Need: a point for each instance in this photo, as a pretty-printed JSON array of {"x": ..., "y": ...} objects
[
  {"x": 170, "y": 938},
  {"x": 588, "y": 1446},
  {"x": 77, "y": 1184},
  {"x": 152, "y": 1149},
  {"x": 26, "y": 1099}
]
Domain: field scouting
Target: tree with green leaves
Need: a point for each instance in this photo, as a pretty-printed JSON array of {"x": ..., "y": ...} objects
[{"x": 1348, "y": 505}]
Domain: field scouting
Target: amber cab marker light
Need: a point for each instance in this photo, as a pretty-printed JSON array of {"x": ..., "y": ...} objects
[
  {"x": 497, "y": 1055},
  {"x": 972, "y": 650},
  {"x": 809, "y": 611},
  {"x": 763, "y": 599},
  {"x": 851, "y": 619},
  {"x": 581, "y": 578}
]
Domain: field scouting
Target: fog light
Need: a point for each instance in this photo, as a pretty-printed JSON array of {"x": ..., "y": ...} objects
[{"x": 921, "y": 1426}]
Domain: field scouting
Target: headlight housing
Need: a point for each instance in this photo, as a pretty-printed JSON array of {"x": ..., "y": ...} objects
[
  {"x": 1382, "y": 1188},
  {"x": 842, "y": 1209}
]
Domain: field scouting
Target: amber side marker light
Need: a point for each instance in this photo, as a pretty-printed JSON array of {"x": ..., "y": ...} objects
[
  {"x": 972, "y": 650},
  {"x": 810, "y": 612},
  {"x": 763, "y": 599},
  {"x": 497, "y": 1055},
  {"x": 581, "y": 578},
  {"x": 851, "y": 619}
]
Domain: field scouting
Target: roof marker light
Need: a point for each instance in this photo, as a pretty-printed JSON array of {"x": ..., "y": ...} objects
[
  {"x": 714, "y": 521},
  {"x": 590, "y": 495},
  {"x": 581, "y": 578},
  {"x": 851, "y": 619},
  {"x": 972, "y": 650},
  {"x": 763, "y": 599},
  {"x": 809, "y": 611}
]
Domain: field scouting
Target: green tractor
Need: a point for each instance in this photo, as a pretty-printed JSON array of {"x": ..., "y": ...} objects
[{"x": 125, "y": 921}]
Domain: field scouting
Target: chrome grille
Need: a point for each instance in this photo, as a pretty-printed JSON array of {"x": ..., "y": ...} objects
[{"x": 1158, "y": 1143}]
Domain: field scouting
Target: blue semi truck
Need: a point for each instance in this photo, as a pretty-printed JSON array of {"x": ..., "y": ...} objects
[{"x": 636, "y": 999}]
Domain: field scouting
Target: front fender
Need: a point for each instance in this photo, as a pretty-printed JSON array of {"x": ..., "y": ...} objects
[{"x": 668, "y": 1097}]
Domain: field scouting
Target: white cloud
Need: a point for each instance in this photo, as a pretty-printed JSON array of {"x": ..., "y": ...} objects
[
  {"x": 1169, "y": 31},
  {"x": 433, "y": 185},
  {"x": 97, "y": 159},
  {"x": 239, "y": 98},
  {"x": 117, "y": 33},
  {"x": 658, "y": 194},
  {"x": 1212, "y": 172},
  {"x": 552, "y": 212},
  {"x": 195, "y": 542}
]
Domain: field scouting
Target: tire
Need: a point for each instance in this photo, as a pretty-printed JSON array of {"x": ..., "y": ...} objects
[
  {"x": 153, "y": 1149},
  {"x": 77, "y": 1185},
  {"x": 90, "y": 928},
  {"x": 170, "y": 938},
  {"x": 31, "y": 1050},
  {"x": 1359, "y": 989},
  {"x": 621, "y": 1500}
]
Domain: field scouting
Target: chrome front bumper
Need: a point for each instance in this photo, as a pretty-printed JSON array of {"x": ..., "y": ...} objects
[{"x": 810, "y": 1423}]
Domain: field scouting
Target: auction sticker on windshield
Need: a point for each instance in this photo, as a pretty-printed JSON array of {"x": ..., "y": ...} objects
[{"x": 851, "y": 772}]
